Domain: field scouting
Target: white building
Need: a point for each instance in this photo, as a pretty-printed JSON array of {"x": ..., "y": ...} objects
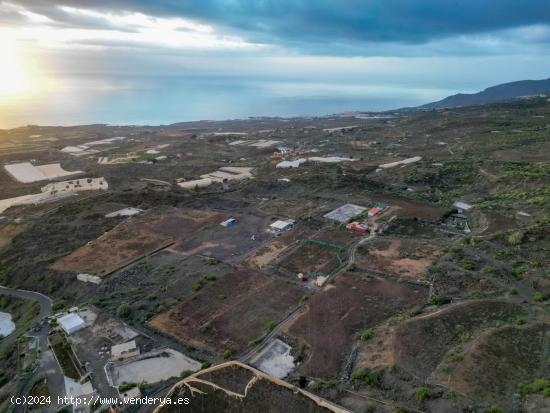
[
  {"x": 280, "y": 225},
  {"x": 71, "y": 323}
]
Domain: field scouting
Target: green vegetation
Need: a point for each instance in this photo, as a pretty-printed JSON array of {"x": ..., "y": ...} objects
[
  {"x": 123, "y": 310},
  {"x": 435, "y": 300},
  {"x": 371, "y": 378},
  {"x": 494, "y": 408},
  {"x": 126, "y": 386},
  {"x": 537, "y": 386},
  {"x": 227, "y": 354},
  {"x": 300, "y": 354},
  {"x": 64, "y": 355},
  {"x": 366, "y": 334},
  {"x": 205, "y": 365},
  {"x": 422, "y": 394},
  {"x": 270, "y": 325}
]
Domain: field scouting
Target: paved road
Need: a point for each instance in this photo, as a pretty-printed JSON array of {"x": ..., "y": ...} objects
[
  {"x": 48, "y": 364},
  {"x": 44, "y": 302}
]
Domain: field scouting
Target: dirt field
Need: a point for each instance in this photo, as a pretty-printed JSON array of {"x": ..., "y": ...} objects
[
  {"x": 229, "y": 244},
  {"x": 8, "y": 232},
  {"x": 310, "y": 257},
  {"x": 414, "y": 209},
  {"x": 276, "y": 247},
  {"x": 228, "y": 314},
  {"x": 421, "y": 344},
  {"x": 334, "y": 316},
  {"x": 135, "y": 237},
  {"x": 401, "y": 256}
]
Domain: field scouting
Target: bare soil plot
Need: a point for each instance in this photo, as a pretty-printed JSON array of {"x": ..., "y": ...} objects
[
  {"x": 231, "y": 312},
  {"x": 228, "y": 244},
  {"x": 421, "y": 344},
  {"x": 313, "y": 257},
  {"x": 501, "y": 359},
  {"x": 414, "y": 209},
  {"x": 334, "y": 316},
  {"x": 377, "y": 353},
  {"x": 401, "y": 256},
  {"x": 269, "y": 253},
  {"x": 135, "y": 237},
  {"x": 9, "y": 231}
]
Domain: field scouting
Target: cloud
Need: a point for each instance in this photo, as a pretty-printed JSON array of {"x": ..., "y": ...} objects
[{"x": 299, "y": 23}]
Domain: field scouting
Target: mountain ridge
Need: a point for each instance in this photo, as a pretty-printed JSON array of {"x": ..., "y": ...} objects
[{"x": 493, "y": 94}]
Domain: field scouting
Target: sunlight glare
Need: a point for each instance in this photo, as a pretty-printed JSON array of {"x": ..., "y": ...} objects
[{"x": 14, "y": 79}]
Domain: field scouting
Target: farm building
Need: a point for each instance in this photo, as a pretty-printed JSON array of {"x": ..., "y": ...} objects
[
  {"x": 280, "y": 225},
  {"x": 358, "y": 227},
  {"x": 228, "y": 222},
  {"x": 124, "y": 350},
  {"x": 71, "y": 323},
  {"x": 344, "y": 213}
]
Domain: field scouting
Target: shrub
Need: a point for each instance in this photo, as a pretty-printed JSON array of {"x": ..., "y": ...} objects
[
  {"x": 422, "y": 394},
  {"x": 123, "y": 310},
  {"x": 537, "y": 296},
  {"x": 270, "y": 325},
  {"x": 227, "y": 354},
  {"x": 435, "y": 300},
  {"x": 205, "y": 365},
  {"x": 126, "y": 386},
  {"x": 467, "y": 264},
  {"x": 540, "y": 386},
  {"x": 185, "y": 373},
  {"x": 58, "y": 305},
  {"x": 494, "y": 408},
  {"x": 371, "y": 378},
  {"x": 515, "y": 238},
  {"x": 366, "y": 334}
]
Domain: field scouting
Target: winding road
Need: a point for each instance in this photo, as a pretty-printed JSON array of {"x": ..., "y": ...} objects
[
  {"x": 48, "y": 364},
  {"x": 44, "y": 302}
]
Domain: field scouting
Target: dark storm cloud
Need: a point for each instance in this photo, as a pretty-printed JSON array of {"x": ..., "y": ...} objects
[{"x": 301, "y": 22}]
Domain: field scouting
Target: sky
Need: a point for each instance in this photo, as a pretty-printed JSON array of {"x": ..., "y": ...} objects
[{"x": 163, "y": 61}]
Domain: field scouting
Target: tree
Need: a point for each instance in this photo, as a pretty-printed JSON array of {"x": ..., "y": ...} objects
[{"x": 123, "y": 310}]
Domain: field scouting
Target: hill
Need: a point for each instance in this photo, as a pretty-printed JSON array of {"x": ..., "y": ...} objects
[{"x": 493, "y": 94}]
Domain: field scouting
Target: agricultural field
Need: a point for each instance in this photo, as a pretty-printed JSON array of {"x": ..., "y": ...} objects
[
  {"x": 229, "y": 244},
  {"x": 134, "y": 238},
  {"x": 230, "y": 313},
  {"x": 335, "y": 317},
  {"x": 321, "y": 254},
  {"x": 397, "y": 256}
]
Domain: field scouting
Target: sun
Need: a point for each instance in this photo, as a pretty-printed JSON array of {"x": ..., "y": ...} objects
[{"x": 14, "y": 78}]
